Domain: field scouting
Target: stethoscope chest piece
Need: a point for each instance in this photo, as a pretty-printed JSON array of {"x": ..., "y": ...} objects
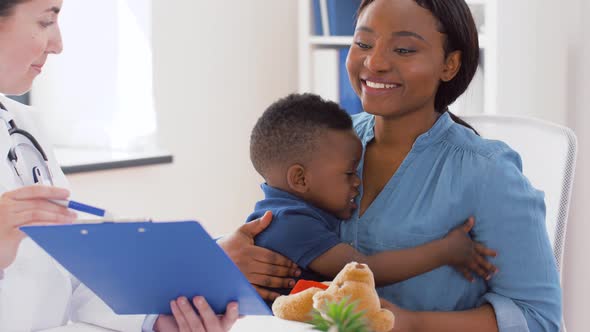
[{"x": 26, "y": 156}]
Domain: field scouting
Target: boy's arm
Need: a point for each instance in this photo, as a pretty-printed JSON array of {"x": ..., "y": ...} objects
[
  {"x": 388, "y": 266},
  {"x": 456, "y": 249}
]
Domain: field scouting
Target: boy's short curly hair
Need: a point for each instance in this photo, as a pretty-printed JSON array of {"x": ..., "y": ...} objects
[{"x": 287, "y": 132}]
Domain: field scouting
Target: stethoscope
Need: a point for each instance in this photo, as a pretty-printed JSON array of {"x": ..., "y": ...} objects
[{"x": 14, "y": 132}]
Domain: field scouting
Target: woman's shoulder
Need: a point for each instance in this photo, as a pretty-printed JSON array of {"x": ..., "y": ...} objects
[
  {"x": 488, "y": 151},
  {"x": 489, "y": 166}
]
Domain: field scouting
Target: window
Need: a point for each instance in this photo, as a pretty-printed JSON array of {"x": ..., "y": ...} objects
[{"x": 98, "y": 93}]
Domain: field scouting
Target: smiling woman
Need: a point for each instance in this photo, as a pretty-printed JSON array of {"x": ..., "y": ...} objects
[
  {"x": 425, "y": 170},
  {"x": 447, "y": 71}
]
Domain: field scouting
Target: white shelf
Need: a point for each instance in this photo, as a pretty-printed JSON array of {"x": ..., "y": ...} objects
[{"x": 347, "y": 40}]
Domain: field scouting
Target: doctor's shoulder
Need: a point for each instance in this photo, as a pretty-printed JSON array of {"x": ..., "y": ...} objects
[
  {"x": 26, "y": 116},
  {"x": 14, "y": 106},
  {"x": 29, "y": 118}
]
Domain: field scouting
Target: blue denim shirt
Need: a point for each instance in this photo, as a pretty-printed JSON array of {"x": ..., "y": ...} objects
[{"x": 449, "y": 175}]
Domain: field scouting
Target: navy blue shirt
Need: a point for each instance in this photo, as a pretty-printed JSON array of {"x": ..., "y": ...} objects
[{"x": 298, "y": 231}]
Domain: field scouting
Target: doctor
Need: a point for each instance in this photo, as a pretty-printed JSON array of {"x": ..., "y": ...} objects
[{"x": 35, "y": 292}]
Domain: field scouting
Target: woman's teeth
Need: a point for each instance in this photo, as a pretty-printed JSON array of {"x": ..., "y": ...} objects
[{"x": 376, "y": 85}]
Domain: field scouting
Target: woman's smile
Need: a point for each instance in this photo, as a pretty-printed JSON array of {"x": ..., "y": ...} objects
[{"x": 378, "y": 87}]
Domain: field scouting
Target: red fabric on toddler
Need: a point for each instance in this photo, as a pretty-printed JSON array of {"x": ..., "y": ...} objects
[{"x": 302, "y": 285}]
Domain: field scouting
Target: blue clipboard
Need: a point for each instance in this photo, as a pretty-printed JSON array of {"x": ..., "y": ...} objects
[{"x": 138, "y": 268}]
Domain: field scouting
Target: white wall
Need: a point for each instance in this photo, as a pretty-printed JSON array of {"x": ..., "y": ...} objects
[
  {"x": 544, "y": 72},
  {"x": 217, "y": 65},
  {"x": 532, "y": 59},
  {"x": 577, "y": 269}
]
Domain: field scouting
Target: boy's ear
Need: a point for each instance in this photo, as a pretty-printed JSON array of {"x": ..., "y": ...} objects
[{"x": 296, "y": 178}]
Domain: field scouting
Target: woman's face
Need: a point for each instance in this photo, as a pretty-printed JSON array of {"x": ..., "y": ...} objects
[
  {"x": 27, "y": 36},
  {"x": 397, "y": 59}
]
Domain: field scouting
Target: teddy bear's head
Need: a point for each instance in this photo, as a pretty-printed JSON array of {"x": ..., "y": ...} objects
[
  {"x": 355, "y": 283},
  {"x": 356, "y": 272}
]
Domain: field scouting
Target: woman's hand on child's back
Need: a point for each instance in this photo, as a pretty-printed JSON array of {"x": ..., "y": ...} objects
[
  {"x": 466, "y": 255},
  {"x": 262, "y": 267}
]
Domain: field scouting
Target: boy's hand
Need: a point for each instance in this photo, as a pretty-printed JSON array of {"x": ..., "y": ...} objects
[{"x": 466, "y": 255}]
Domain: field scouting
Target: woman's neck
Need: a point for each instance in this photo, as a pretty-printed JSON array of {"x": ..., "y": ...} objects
[{"x": 402, "y": 131}]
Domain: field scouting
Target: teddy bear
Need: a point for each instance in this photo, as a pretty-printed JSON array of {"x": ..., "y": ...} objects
[{"x": 355, "y": 282}]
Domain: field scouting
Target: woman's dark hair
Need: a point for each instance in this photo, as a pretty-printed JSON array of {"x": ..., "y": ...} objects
[
  {"x": 6, "y": 6},
  {"x": 456, "y": 22}
]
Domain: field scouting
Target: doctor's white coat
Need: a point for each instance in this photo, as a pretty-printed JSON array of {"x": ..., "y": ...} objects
[{"x": 36, "y": 293}]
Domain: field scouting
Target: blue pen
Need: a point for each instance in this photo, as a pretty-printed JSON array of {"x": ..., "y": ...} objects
[{"x": 83, "y": 208}]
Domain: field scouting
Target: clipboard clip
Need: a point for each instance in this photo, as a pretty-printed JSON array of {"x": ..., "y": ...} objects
[{"x": 113, "y": 221}]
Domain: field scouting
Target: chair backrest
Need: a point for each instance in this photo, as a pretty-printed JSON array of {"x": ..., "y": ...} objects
[{"x": 548, "y": 153}]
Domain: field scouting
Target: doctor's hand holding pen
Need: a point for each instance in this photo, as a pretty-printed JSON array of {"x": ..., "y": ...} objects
[{"x": 28, "y": 205}]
